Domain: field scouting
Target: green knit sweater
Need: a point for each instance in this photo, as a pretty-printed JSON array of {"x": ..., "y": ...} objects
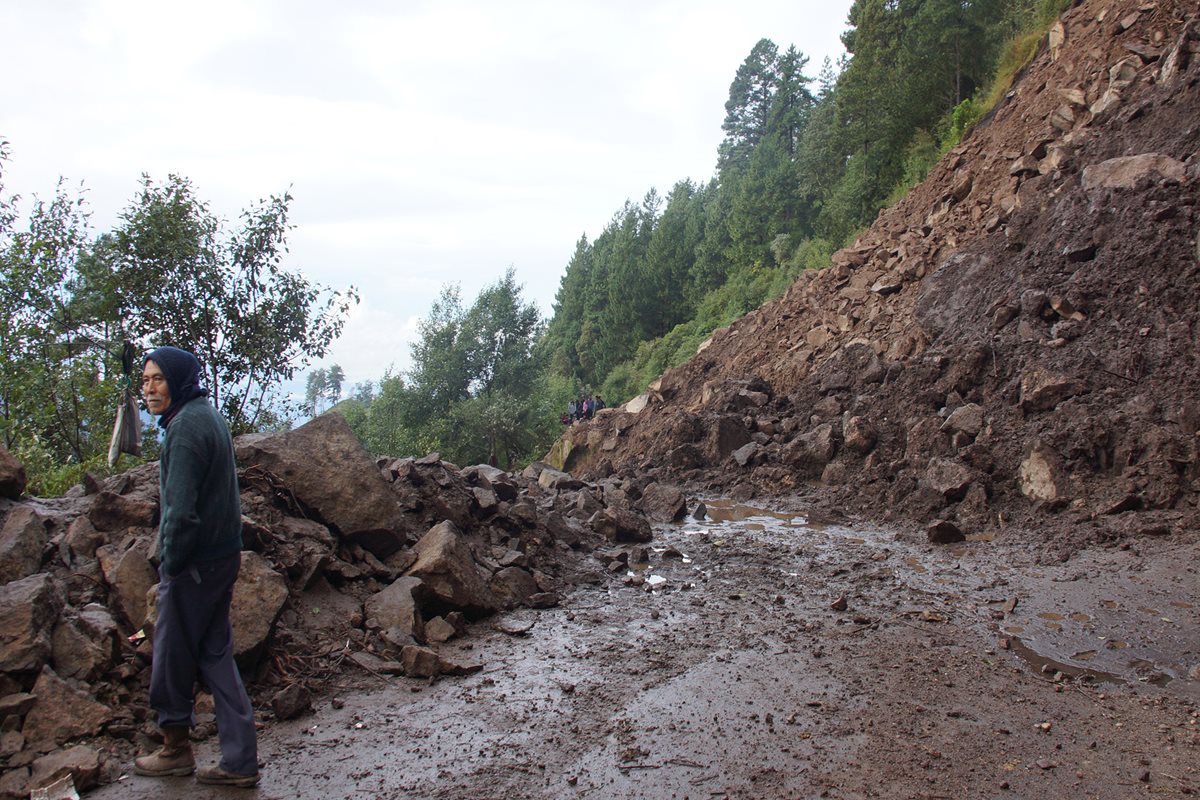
[{"x": 201, "y": 510}]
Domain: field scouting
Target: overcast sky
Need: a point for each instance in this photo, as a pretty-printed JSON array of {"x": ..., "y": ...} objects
[{"x": 423, "y": 142}]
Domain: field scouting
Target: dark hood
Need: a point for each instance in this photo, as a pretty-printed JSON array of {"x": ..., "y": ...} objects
[{"x": 185, "y": 378}]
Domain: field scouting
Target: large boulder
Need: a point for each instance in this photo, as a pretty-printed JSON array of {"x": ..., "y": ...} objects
[
  {"x": 22, "y": 540},
  {"x": 513, "y": 586},
  {"x": 948, "y": 478},
  {"x": 12, "y": 475},
  {"x": 258, "y": 599},
  {"x": 621, "y": 525},
  {"x": 85, "y": 644},
  {"x": 327, "y": 469},
  {"x": 112, "y": 512},
  {"x": 810, "y": 452},
  {"x": 557, "y": 480},
  {"x": 81, "y": 763},
  {"x": 452, "y": 578},
  {"x": 61, "y": 713},
  {"x": 725, "y": 435},
  {"x": 28, "y": 610},
  {"x": 1124, "y": 172},
  {"x": 130, "y": 575},
  {"x": 1042, "y": 390},
  {"x": 1042, "y": 475},
  {"x": 663, "y": 503}
]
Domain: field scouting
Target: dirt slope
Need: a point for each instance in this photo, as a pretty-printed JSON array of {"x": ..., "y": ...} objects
[{"x": 1013, "y": 342}]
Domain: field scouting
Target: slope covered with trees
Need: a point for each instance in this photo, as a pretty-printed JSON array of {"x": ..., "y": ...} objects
[{"x": 806, "y": 162}]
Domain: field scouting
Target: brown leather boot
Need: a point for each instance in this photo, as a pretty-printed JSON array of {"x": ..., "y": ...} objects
[
  {"x": 221, "y": 777},
  {"x": 173, "y": 758}
]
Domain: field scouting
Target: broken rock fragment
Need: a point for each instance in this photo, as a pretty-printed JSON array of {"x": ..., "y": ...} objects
[
  {"x": 29, "y": 608},
  {"x": 394, "y": 610},
  {"x": 61, "y": 713},
  {"x": 663, "y": 503},
  {"x": 621, "y": 525},
  {"x": 22, "y": 540},
  {"x": 447, "y": 567}
]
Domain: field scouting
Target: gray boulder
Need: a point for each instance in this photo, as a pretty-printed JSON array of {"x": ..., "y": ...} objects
[
  {"x": 451, "y": 576},
  {"x": 395, "y": 612},
  {"x": 663, "y": 503},
  {"x": 327, "y": 470}
]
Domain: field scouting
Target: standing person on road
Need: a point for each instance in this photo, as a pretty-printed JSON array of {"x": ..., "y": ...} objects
[{"x": 199, "y": 550}]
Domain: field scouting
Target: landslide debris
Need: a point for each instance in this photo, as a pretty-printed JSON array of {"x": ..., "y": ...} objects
[
  {"x": 1014, "y": 342},
  {"x": 351, "y": 566}
]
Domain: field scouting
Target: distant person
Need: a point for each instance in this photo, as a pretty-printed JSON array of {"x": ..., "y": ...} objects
[
  {"x": 572, "y": 410},
  {"x": 599, "y": 404},
  {"x": 200, "y": 553}
]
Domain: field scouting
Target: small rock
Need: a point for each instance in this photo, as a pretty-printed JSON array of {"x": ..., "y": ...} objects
[
  {"x": 839, "y": 604},
  {"x": 291, "y": 702}
]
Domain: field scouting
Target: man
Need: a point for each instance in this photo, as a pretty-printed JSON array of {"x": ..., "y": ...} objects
[{"x": 199, "y": 551}]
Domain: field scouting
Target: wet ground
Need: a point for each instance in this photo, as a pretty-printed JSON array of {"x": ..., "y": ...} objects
[{"x": 763, "y": 654}]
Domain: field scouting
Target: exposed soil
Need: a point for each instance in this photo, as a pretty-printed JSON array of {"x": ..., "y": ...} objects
[
  {"x": 1056, "y": 312},
  {"x": 735, "y": 677}
]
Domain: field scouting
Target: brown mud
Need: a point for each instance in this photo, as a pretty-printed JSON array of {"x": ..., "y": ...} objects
[{"x": 722, "y": 669}]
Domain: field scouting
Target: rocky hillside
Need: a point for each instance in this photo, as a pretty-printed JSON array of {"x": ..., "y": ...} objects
[
  {"x": 351, "y": 567},
  {"x": 1014, "y": 342}
]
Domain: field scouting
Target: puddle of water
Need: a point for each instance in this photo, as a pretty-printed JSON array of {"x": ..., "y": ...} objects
[
  {"x": 1084, "y": 655},
  {"x": 728, "y": 511},
  {"x": 1079, "y": 616},
  {"x": 1015, "y": 629},
  {"x": 986, "y": 536},
  {"x": 1044, "y": 664},
  {"x": 1111, "y": 605},
  {"x": 1148, "y": 610},
  {"x": 1050, "y": 615},
  {"x": 916, "y": 564},
  {"x": 1181, "y": 604}
]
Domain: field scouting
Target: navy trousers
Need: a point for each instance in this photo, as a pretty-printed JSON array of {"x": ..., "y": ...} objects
[{"x": 192, "y": 636}]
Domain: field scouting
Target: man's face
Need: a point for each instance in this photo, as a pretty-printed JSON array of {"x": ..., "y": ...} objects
[{"x": 155, "y": 390}]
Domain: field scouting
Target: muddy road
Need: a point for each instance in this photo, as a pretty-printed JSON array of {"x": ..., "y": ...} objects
[{"x": 763, "y": 654}]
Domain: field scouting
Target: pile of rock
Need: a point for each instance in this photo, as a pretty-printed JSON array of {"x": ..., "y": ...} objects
[{"x": 348, "y": 560}]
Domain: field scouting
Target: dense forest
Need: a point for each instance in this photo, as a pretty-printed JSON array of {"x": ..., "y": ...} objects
[{"x": 806, "y": 162}]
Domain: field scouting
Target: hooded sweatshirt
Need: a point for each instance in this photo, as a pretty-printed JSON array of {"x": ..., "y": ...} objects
[{"x": 200, "y": 515}]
